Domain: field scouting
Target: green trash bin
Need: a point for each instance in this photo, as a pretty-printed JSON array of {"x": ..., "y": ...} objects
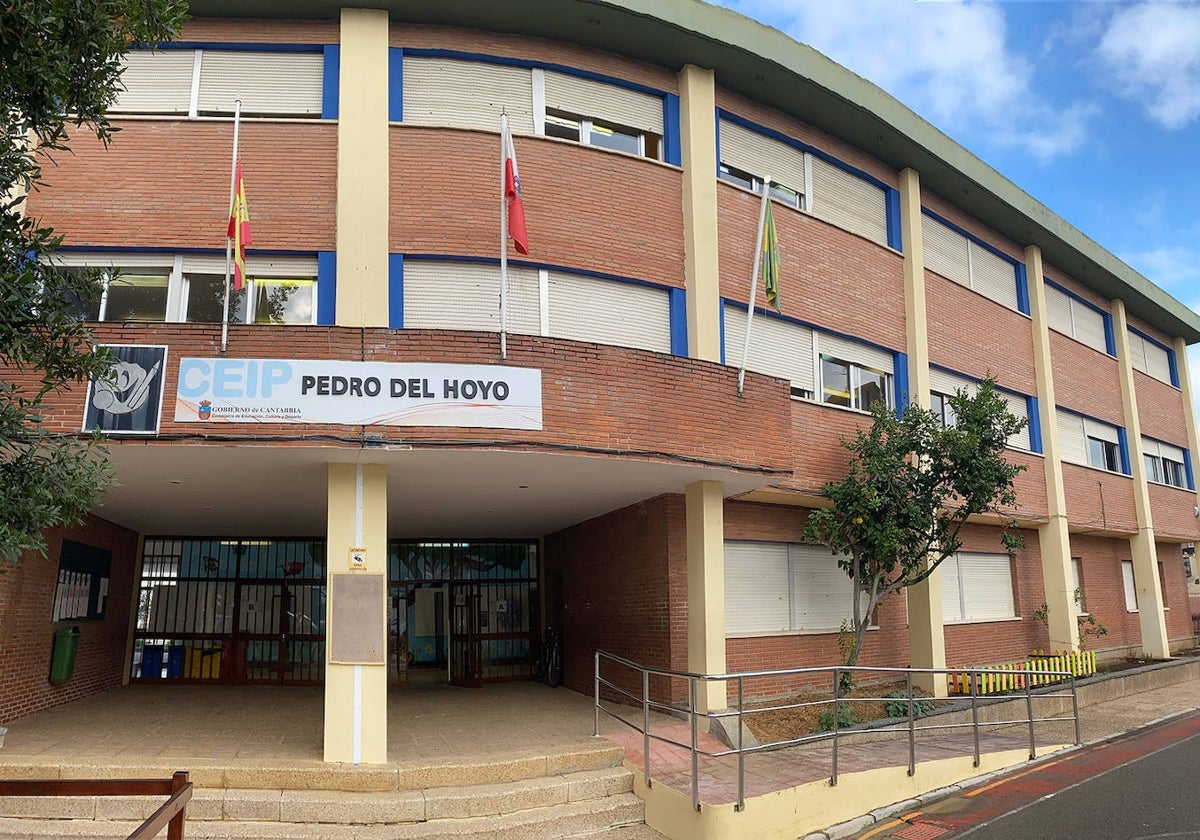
[{"x": 62, "y": 660}]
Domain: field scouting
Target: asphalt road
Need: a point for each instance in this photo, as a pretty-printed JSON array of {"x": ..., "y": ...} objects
[{"x": 1140, "y": 786}]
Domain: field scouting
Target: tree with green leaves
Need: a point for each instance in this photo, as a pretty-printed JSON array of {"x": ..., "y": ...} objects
[
  {"x": 912, "y": 485},
  {"x": 60, "y": 69}
]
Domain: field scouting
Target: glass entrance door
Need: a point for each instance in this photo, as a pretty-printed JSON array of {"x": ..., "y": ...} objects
[{"x": 466, "y": 649}]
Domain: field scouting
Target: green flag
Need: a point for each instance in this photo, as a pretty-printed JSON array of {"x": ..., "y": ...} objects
[{"x": 770, "y": 259}]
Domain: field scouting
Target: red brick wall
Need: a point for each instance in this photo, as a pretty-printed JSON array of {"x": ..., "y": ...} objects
[
  {"x": 27, "y": 632},
  {"x": 623, "y": 401},
  {"x": 445, "y": 198},
  {"x": 828, "y": 276},
  {"x": 1098, "y": 500},
  {"x": 817, "y": 432},
  {"x": 1086, "y": 380},
  {"x": 1174, "y": 581},
  {"x": 1173, "y": 512},
  {"x": 954, "y": 215},
  {"x": 1030, "y": 486},
  {"x": 619, "y": 593},
  {"x": 165, "y": 184},
  {"x": 1160, "y": 410},
  {"x": 977, "y": 336},
  {"x": 262, "y": 31}
]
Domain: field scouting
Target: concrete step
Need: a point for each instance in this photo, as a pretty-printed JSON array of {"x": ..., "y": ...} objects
[{"x": 623, "y": 813}]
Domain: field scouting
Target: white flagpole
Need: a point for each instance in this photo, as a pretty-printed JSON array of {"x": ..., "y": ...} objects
[
  {"x": 237, "y": 119},
  {"x": 503, "y": 236},
  {"x": 762, "y": 218}
]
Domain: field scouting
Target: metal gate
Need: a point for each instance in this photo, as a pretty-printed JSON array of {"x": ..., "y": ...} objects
[{"x": 232, "y": 611}]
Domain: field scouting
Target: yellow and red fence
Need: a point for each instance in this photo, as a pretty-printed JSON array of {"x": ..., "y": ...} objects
[{"x": 1014, "y": 676}]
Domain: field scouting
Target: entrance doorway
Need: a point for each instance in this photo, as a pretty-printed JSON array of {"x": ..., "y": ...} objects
[{"x": 463, "y": 612}]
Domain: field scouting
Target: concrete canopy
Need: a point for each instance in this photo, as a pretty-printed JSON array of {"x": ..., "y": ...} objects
[{"x": 766, "y": 65}]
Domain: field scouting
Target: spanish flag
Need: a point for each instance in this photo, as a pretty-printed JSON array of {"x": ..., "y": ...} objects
[{"x": 239, "y": 230}]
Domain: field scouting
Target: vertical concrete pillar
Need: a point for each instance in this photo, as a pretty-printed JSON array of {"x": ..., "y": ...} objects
[
  {"x": 1142, "y": 547},
  {"x": 1189, "y": 411},
  {"x": 356, "y": 695},
  {"x": 705, "y": 513},
  {"x": 362, "y": 170},
  {"x": 926, "y": 634},
  {"x": 1053, "y": 537},
  {"x": 698, "y": 144}
]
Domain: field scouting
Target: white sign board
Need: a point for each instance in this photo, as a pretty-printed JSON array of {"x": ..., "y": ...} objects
[{"x": 357, "y": 393}]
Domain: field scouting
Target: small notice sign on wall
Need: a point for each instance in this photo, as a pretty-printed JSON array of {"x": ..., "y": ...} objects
[{"x": 83, "y": 579}]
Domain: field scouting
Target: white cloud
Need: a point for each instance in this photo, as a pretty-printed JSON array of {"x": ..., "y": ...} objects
[
  {"x": 1175, "y": 268},
  {"x": 950, "y": 62},
  {"x": 1151, "y": 53}
]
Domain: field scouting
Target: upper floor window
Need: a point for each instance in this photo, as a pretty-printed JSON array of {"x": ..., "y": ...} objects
[
  {"x": 939, "y": 404},
  {"x": 1165, "y": 464},
  {"x": 593, "y": 132},
  {"x": 944, "y": 384},
  {"x": 208, "y": 81},
  {"x": 1103, "y": 454},
  {"x": 1088, "y": 442},
  {"x": 781, "y": 192},
  {"x": 1152, "y": 358},
  {"x": 853, "y": 386},
  {"x": 966, "y": 262},
  {"x": 1081, "y": 321}
]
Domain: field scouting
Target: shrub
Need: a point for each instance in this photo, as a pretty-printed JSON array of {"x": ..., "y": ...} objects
[{"x": 897, "y": 707}]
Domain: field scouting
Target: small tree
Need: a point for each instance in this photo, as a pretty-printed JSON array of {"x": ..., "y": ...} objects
[
  {"x": 60, "y": 65},
  {"x": 911, "y": 487}
]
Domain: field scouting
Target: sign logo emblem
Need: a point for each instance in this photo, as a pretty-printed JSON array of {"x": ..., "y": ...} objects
[{"x": 204, "y": 411}]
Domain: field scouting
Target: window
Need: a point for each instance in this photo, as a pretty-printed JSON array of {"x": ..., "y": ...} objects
[
  {"x": 1076, "y": 582},
  {"x": 205, "y": 300},
  {"x": 1150, "y": 357},
  {"x": 1103, "y": 454},
  {"x": 278, "y": 301},
  {"x": 1131, "y": 602},
  {"x": 852, "y": 386},
  {"x": 943, "y": 384},
  {"x": 968, "y": 263},
  {"x": 1071, "y": 316},
  {"x": 781, "y": 587},
  {"x": 780, "y": 192},
  {"x": 594, "y": 132},
  {"x": 977, "y": 587},
  {"x": 1164, "y": 463},
  {"x": 206, "y": 82},
  {"x": 778, "y": 347},
  {"x": 939, "y": 404}
]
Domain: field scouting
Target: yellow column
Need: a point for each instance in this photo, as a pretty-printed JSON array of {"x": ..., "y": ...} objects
[
  {"x": 356, "y": 694},
  {"x": 1189, "y": 409},
  {"x": 1142, "y": 547},
  {"x": 705, "y": 514},
  {"x": 698, "y": 136},
  {"x": 1053, "y": 537},
  {"x": 926, "y": 634},
  {"x": 362, "y": 176}
]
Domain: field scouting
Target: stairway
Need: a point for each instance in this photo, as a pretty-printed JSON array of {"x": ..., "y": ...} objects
[{"x": 576, "y": 793}]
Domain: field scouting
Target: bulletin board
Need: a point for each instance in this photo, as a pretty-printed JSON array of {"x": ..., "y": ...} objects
[
  {"x": 84, "y": 572},
  {"x": 357, "y": 622}
]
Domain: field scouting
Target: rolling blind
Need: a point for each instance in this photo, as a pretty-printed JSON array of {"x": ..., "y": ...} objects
[
  {"x": 948, "y": 383},
  {"x": 608, "y": 103},
  {"x": 1076, "y": 588},
  {"x": 852, "y": 351},
  {"x": 1100, "y": 431},
  {"x": 1071, "y": 439},
  {"x": 945, "y": 251},
  {"x": 156, "y": 82},
  {"x": 1089, "y": 326},
  {"x": 256, "y": 266},
  {"x": 756, "y": 588},
  {"x": 986, "y": 581},
  {"x": 848, "y": 201},
  {"x": 1171, "y": 453},
  {"x": 992, "y": 276},
  {"x": 1058, "y": 311},
  {"x": 1157, "y": 364},
  {"x": 609, "y": 312},
  {"x": 762, "y": 157},
  {"x": 821, "y": 591},
  {"x": 466, "y": 296},
  {"x": 1137, "y": 351},
  {"x": 1019, "y": 407},
  {"x": 266, "y": 82},
  {"x": 951, "y": 589},
  {"x": 1131, "y": 603},
  {"x": 467, "y": 94},
  {"x": 123, "y": 261},
  {"x": 777, "y": 348}
]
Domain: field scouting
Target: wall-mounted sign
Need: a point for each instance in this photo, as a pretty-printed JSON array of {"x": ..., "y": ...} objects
[
  {"x": 129, "y": 401},
  {"x": 357, "y": 393},
  {"x": 82, "y": 590}
]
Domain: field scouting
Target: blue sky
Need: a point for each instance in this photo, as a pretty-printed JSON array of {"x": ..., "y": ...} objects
[{"x": 1091, "y": 107}]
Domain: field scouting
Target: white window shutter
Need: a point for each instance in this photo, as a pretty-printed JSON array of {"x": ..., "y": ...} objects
[
  {"x": 1020, "y": 407},
  {"x": 1166, "y": 450},
  {"x": 605, "y": 102},
  {"x": 762, "y": 157},
  {"x": 951, "y": 589},
  {"x": 861, "y": 354},
  {"x": 1100, "y": 431},
  {"x": 992, "y": 276},
  {"x": 777, "y": 348},
  {"x": 1131, "y": 603},
  {"x": 609, "y": 312},
  {"x": 1157, "y": 364},
  {"x": 156, "y": 82},
  {"x": 1058, "y": 311},
  {"x": 1076, "y": 588},
  {"x": 848, "y": 201},
  {"x": 821, "y": 590},
  {"x": 266, "y": 82},
  {"x": 1089, "y": 326},
  {"x": 947, "y": 383},
  {"x": 945, "y": 251},
  {"x": 1137, "y": 351},
  {"x": 1071, "y": 439},
  {"x": 987, "y": 586},
  {"x": 466, "y": 296},
  {"x": 284, "y": 267},
  {"x": 756, "y": 588},
  {"x": 467, "y": 94}
]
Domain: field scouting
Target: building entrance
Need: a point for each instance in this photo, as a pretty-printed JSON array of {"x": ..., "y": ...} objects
[{"x": 252, "y": 611}]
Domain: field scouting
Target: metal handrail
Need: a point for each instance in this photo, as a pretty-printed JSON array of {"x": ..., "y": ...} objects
[
  {"x": 171, "y": 815},
  {"x": 740, "y": 713}
]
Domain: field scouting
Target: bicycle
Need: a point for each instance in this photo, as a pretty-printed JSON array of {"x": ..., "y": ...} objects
[{"x": 548, "y": 668}]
